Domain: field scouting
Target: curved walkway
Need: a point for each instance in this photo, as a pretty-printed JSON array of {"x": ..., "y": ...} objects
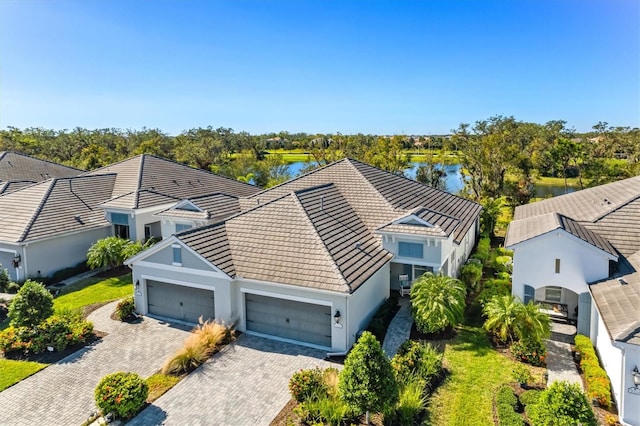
[
  {"x": 62, "y": 394},
  {"x": 399, "y": 329}
]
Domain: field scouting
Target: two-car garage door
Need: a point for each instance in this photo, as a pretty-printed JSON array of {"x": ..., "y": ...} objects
[
  {"x": 304, "y": 322},
  {"x": 180, "y": 302}
]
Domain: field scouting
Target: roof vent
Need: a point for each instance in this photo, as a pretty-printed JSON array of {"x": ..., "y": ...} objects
[
  {"x": 77, "y": 217},
  {"x": 622, "y": 281},
  {"x": 175, "y": 181},
  {"x": 258, "y": 201},
  {"x": 357, "y": 246},
  {"x": 322, "y": 202},
  {"x": 606, "y": 201}
]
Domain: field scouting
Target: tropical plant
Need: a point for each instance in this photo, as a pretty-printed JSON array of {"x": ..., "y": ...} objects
[
  {"x": 122, "y": 394},
  {"x": 438, "y": 302},
  {"x": 107, "y": 253},
  {"x": 470, "y": 274},
  {"x": 367, "y": 382},
  {"x": 509, "y": 319},
  {"x": 32, "y": 305},
  {"x": 489, "y": 216},
  {"x": 411, "y": 402},
  {"x": 533, "y": 323},
  {"x": 562, "y": 404}
]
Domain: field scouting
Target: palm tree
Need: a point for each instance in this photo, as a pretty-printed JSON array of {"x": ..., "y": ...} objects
[
  {"x": 438, "y": 302},
  {"x": 502, "y": 314},
  {"x": 532, "y": 323}
]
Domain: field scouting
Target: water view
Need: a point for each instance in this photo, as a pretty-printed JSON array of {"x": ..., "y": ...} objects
[{"x": 454, "y": 179}]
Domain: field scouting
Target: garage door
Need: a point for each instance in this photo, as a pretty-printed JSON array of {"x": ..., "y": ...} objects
[
  {"x": 300, "y": 321},
  {"x": 180, "y": 302}
]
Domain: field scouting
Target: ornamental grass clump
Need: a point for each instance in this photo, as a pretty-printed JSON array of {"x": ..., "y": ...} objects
[{"x": 205, "y": 340}]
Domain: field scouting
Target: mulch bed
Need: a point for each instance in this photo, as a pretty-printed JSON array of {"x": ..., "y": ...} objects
[
  {"x": 51, "y": 357},
  {"x": 286, "y": 417},
  {"x": 115, "y": 272}
]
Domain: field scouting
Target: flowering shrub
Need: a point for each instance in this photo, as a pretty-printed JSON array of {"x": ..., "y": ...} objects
[
  {"x": 597, "y": 381},
  {"x": 125, "y": 309},
  {"x": 415, "y": 359},
  {"x": 307, "y": 384},
  {"x": 122, "y": 394},
  {"x": 531, "y": 351}
]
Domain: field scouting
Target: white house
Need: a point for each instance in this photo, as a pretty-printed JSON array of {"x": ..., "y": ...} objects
[
  {"x": 308, "y": 261},
  {"x": 576, "y": 249}
]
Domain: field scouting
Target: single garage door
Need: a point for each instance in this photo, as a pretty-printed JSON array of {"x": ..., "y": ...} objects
[
  {"x": 180, "y": 302},
  {"x": 300, "y": 321}
]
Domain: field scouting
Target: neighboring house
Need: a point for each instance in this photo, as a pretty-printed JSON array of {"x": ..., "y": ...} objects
[
  {"x": 580, "y": 248},
  {"x": 146, "y": 185},
  {"x": 20, "y": 170},
  {"x": 308, "y": 261}
]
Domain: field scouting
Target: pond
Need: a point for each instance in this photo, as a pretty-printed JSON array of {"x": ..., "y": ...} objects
[{"x": 454, "y": 179}]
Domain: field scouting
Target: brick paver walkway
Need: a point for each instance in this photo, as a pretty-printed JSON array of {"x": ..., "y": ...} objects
[
  {"x": 245, "y": 384},
  {"x": 560, "y": 365},
  {"x": 62, "y": 394},
  {"x": 399, "y": 329}
]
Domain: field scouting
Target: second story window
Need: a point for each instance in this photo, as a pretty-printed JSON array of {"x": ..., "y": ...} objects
[
  {"x": 182, "y": 227},
  {"x": 557, "y": 266},
  {"x": 177, "y": 255},
  {"x": 414, "y": 250}
]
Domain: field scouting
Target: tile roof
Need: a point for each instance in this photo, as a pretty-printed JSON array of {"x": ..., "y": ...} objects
[
  {"x": 618, "y": 303},
  {"x": 442, "y": 225},
  {"x": 144, "y": 180},
  {"x": 53, "y": 207},
  {"x": 313, "y": 229},
  {"x": 21, "y": 167},
  {"x": 377, "y": 196},
  {"x": 214, "y": 207},
  {"x": 525, "y": 229},
  {"x": 7, "y": 187}
]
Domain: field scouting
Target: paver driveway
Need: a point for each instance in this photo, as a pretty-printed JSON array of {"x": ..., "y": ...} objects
[
  {"x": 62, "y": 394},
  {"x": 244, "y": 384}
]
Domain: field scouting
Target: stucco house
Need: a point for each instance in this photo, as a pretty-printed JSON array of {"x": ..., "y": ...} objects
[
  {"x": 308, "y": 261},
  {"x": 579, "y": 255},
  {"x": 49, "y": 225}
]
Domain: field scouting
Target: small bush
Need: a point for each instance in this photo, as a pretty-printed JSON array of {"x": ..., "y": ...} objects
[
  {"x": 417, "y": 360},
  {"x": 529, "y": 397},
  {"x": 470, "y": 275},
  {"x": 482, "y": 250},
  {"x": 121, "y": 393},
  {"x": 502, "y": 263},
  {"x": 507, "y": 406},
  {"x": 522, "y": 374},
  {"x": 561, "y": 404},
  {"x": 125, "y": 309},
  {"x": 531, "y": 351},
  {"x": 494, "y": 287},
  {"x": 306, "y": 385},
  {"x": 505, "y": 395},
  {"x": 504, "y": 252},
  {"x": 32, "y": 305},
  {"x": 4, "y": 280},
  {"x": 597, "y": 382}
]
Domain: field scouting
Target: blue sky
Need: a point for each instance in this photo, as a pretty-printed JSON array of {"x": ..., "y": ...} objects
[{"x": 382, "y": 67}]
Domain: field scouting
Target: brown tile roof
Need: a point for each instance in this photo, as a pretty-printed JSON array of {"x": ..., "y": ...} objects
[
  {"x": 214, "y": 207},
  {"x": 525, "y": 229},
  {"x": 53, "y": 207},
  {"x": 377, "y": 196},
  {"x": 16, "y": 167},
  {"x": 309, "y": 238},
  {"x": 618, "y": 303},
  {"x": 164, "y": 178}
]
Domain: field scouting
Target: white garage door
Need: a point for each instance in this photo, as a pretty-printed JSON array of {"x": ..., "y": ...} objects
[
  {"x": 180, "y": 302},
  {"x": 304, "y": 322}
]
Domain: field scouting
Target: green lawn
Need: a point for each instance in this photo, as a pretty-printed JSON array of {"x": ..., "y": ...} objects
[
  {"x": 475, "y": 371},
  {"x": 12, "y": 372},
  {"x": 93, "y": 290}
]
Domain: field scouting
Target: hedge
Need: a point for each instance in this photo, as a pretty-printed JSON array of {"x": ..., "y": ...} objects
[
  {"x": 597, "y": 381},
  {"x": 506, "y": 406}
]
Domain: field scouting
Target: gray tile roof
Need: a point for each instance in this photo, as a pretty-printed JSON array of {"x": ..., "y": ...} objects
[
  {"x": 377, "y": 196},
  {"x": 310, "y": 238},
  {"x": 22, "y": 169},
  {"x": 525, "y": 229},
  {"x": 442, "y": 225},
  {"x": 618, "y": 303},
  {"x": 54, "y": 207},
  {"x": 147, "y": 180},
  {"x": 213, "y": 207}
]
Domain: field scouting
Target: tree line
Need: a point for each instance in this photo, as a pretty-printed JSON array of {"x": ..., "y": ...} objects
[{"x": 501, "y": 155}]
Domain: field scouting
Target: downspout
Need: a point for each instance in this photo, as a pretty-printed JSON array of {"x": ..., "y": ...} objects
[{"x": 24, "y": 259}]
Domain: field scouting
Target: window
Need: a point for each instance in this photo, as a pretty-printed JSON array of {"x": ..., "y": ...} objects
[
  {"x": 121, "y": 231},
  {"x": 120, "y": 225},
  {"x": 182, "y": 227},
  {"x": 557, "y": 266},
  {"x": 419, "y": 270},
  {"x": 553, "y": 294},
  {"x": 410, "y": 250},
  {"x": 177, "y": 255}
]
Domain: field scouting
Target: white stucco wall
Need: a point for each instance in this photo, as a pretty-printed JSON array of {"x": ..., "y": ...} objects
[
  {"x": 51, "y": 255},
  {"x": 610, "y": 356},
  {"x": 629, "y": 406},
  {"x": 462, "y": 252},
  {"x": 580, "y": 263},
  {"x": 365, "y": 301}
]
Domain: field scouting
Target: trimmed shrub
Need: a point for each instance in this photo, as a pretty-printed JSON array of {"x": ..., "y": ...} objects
[
  {"x": 561, "y": 404},
  {"x": 531, "y": 351},
  {"x": 470, "y": 274},
  {"x": 4, "y": 279},
  {"x": 505, "y": 395},
  {"x": 125, "y": 309},
  {"x": 417, "y": 360},
  {"x": 494, "y": 287},
  {"x": 507, "y": 406},
  {"x": 32, "y": 305},
  {"x": 522, "y": 374},
  {"x": 597, "y": 382},
  {"x": 529, "y": 397},
  {"x": 306, "y": 385},
  {"x": 122, "y": 394},
  {"x": 482, "y": 250}
]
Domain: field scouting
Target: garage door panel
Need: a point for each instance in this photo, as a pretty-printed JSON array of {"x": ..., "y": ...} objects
[
  {"x": 180, "y": 302},
  {"x": 305, "y": 322}
]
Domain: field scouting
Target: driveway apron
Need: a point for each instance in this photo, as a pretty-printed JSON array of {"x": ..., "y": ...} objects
[
  {"x": 244, "y": 384},
  {"x": 62, "y": 394}
]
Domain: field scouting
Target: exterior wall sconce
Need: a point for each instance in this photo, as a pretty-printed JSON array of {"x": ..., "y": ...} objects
[
  {"x": 337, "y": 317},
  {"x": 138, "y": 292},
  {"x": 16, "y": 260},
  {"x": 636, "y": 376}
]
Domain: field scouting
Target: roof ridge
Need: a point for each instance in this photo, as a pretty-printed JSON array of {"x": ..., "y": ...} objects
[
  {"x": 139, "y": 185},
  {"x": 38, "y": 210},
  {"x": 371, "y": 185},
  {"x": 327, "y": 253},
  {"x": 616, "y": 208}
]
